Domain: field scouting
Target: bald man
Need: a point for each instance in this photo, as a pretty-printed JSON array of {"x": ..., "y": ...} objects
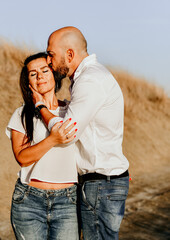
[{"x": 98, "y": 108}]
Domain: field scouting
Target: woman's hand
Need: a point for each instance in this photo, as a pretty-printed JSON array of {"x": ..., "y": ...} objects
[
  {"x": 36, "y": 97},
  {"x": 61, "y": 134}
]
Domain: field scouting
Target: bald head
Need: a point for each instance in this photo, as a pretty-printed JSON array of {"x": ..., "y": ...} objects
[
  {"x": 69, "y": 38},
  {"x": 66, "y": 49}
]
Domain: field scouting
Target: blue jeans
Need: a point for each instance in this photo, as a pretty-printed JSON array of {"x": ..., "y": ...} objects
[
  {"x": 102, "y": 205},
  {"x": 38, "y": 214}
]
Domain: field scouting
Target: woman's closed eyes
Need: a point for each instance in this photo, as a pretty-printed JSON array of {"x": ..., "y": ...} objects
[{"x": 35, "y": 73}]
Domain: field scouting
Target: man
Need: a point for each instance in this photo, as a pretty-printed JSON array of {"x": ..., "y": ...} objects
[{"x": 97, "y": 107}]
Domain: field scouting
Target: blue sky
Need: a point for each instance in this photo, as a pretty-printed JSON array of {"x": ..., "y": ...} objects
[{"x": 133, "y": 35}]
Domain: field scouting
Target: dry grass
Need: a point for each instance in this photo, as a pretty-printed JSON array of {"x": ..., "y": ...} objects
[
  {"x": 139, "y": 92},
  {"x": 147, "y": 123}
]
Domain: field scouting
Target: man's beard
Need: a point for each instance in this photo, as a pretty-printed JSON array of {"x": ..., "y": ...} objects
[{"x": 59, "y": 74}]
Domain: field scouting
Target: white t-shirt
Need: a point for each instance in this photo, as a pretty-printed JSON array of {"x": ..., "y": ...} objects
[{"x": 58, "y": 165}]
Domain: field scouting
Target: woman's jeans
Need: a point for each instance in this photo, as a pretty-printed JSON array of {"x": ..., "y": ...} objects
[
  {"x": 38, "y": 214},
  {"x": 102, "y": 206}
]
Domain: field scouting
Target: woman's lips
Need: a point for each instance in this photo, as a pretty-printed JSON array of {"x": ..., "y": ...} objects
[{"x": 41, "y": 83}]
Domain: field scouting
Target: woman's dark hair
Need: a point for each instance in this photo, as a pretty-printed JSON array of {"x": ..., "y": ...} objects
[{"x": 28, "y": 112}]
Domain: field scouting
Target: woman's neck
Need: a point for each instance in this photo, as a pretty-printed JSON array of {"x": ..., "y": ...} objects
[{"x": 50, "y": 100}]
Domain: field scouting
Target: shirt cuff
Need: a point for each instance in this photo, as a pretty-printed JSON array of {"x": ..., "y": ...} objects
[{"x": 53, "y": 121}]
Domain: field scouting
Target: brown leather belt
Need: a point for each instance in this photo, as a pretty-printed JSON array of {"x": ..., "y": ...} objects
[{"x": 98, "y": 176}]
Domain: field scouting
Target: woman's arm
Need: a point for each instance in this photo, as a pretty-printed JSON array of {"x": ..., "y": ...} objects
[{"x": 26, "y": 154}]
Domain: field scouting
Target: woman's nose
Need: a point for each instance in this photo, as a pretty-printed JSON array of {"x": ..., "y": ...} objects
[{"x": 39, "y": 75}]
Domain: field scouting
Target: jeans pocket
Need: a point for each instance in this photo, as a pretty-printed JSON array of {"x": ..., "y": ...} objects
[
  {"x": 117, "y": 194},
  {"x": 116, "y": 197},
  {"x": 18, "y": 195},
  {"x": 90, "y": 194}
]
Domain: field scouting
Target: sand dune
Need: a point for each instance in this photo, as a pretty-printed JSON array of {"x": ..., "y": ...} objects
[{"x": 146, "y": 145}]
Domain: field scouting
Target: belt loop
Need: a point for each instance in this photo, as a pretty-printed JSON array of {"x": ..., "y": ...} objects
[
  {"x": 108, "y": 178},
  {"x": 67, "y": 192},
  {"x": 28, "y": 190}
]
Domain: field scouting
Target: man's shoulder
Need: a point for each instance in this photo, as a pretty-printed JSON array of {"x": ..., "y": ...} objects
[{"x": 97, "y": 72}]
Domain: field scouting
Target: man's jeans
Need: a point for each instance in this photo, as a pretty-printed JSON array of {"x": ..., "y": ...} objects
[
  {"x": 102, "y": 205},
  {"x": 38, "y": 214}
]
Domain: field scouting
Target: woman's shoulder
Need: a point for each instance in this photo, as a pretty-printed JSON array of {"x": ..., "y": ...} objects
[
  {"x": 15, "y": 122},
  {"x": 18, "y": 111}
]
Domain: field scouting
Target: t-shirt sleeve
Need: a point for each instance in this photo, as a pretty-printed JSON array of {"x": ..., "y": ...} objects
[{"x": 15, "y": 123}]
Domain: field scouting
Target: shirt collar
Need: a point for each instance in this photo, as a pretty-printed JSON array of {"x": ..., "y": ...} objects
[{"x": 86, "y": 61}]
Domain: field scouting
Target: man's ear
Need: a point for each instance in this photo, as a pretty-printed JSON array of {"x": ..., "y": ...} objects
[{"x": 70, "y": 55}]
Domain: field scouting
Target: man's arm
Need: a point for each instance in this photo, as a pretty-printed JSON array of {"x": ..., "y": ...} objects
[
  {"x": 87, "y": 98},
  {"x": 47, "y": 116},
  {"x": 38, "y": 100}
]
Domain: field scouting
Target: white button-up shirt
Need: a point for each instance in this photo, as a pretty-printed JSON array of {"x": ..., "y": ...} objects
[{"x": 98, "y": 108}]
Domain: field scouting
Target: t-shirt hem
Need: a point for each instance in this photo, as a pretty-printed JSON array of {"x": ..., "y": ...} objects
[{"x": 48, "y": 181}]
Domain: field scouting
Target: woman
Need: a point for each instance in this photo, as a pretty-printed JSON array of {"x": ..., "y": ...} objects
[{"x": 44, "y": 199}]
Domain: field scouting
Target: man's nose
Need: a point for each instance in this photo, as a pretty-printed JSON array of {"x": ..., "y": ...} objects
[{"x": 48, "y": 60}]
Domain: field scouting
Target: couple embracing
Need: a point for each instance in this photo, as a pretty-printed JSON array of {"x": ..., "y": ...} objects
[{"x": 73, "y": 173}]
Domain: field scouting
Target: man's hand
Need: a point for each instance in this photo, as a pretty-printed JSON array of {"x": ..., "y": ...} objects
[
  {"x": 36, "y": 97},
  {"x": 60, "y": 134}
]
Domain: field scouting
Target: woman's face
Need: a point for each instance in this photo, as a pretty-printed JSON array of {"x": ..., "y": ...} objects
[{"x": 40, "y": 76}]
